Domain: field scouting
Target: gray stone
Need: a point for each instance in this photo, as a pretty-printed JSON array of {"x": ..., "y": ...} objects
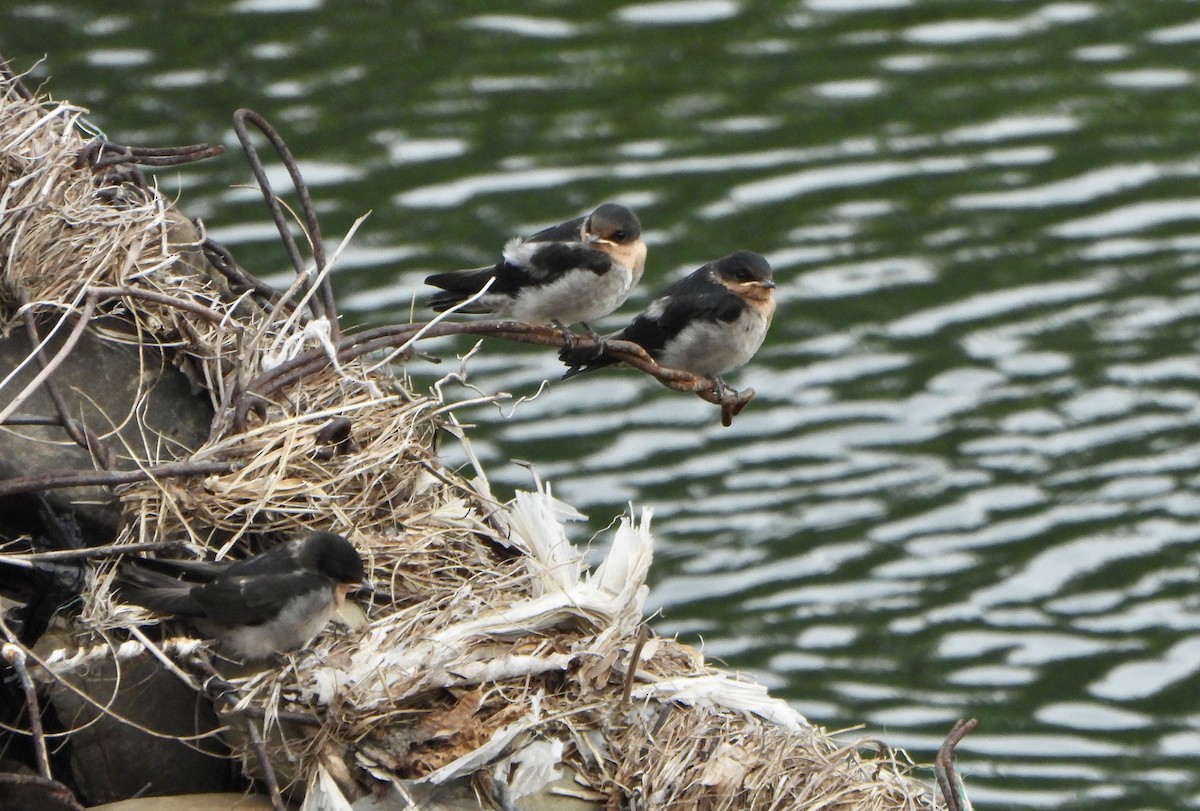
[{"x": 101, "y": 381}]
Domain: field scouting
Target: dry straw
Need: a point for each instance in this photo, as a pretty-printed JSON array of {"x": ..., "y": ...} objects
[{"x": 489, "y": 642}]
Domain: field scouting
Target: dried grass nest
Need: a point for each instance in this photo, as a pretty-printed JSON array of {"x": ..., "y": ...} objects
[{"x": 497, "y": 651}]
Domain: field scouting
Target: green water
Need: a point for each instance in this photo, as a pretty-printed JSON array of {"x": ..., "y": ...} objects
[{"x": 967, "y": 484}]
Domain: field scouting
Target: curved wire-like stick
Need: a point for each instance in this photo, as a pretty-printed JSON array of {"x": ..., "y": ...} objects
[
  {"x": 327, "y": 306},
  {"x": 192, "y": 307},
  {"x": 948, "y": 780}
]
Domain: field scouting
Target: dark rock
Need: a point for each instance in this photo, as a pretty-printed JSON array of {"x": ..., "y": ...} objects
[{"x": 102, "y": 382}]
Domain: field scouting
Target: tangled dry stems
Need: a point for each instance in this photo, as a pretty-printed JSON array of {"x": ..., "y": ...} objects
[{"x": 439, "y": 550}]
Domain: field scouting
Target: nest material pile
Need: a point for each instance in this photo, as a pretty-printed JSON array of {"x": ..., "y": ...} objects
[{"x": 491, "y": 651}]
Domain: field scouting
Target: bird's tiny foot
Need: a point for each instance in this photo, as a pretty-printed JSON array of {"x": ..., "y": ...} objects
[
  {"x": 597, "y": 341},
  {"x": 723, "y": 389},
  {"x": 568, "y": 337}
]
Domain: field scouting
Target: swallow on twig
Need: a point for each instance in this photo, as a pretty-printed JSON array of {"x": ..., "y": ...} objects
[
  {"x": 710, "y": 322},
  {"x": 268, "y": 603},
  {"x": 569, "y": 273}
]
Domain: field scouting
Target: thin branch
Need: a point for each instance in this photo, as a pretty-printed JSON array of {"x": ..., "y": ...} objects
[
  {"x": 635, "y": 657},
  {"x": 240, "y": 280},
  {"x": 262, "y": 387},
  {"x": 107, "y": 550},
  {"x": 14, "y": 81},
  {"x": 207, "y": 313},
  {"x": 32, "y": 419},
  {"x": 103, "y": 154},
  {"x": 79, "y": 478},
  {"x": 220, "y": 690},
  {"x": 15, "y": 656}
]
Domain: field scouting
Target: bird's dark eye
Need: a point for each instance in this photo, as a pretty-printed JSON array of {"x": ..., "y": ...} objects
[
  {"x": 619, "y": 236},
  {"x": 742, "y": 275}
]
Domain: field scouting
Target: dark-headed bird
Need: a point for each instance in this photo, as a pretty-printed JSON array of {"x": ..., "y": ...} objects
[
  {"x": 708, "y": 323},
  {"x": 265, "y": 604},
  {"x": 570, "y": 273}
]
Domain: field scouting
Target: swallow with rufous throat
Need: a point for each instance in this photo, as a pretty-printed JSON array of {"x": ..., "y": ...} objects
[
  {"x": 570, "y": 273},
  {"x": 707, "y": 323},
  {"x": 269, "y": 603}
]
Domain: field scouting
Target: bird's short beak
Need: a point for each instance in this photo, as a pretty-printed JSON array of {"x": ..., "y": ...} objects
[{"x": 768, "y": 284}]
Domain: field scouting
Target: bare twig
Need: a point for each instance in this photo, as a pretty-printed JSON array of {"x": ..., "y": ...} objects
[
  {"x": 192, "y": 307},
  {"x": 239, "y": 279},
  {"x": 220, "y": 690},
  {"x": 79, "y": 478},
  {"x": 102, "y": 154},
  {"x": 31, "y": 419},
  {"x": 15, "y": 656},
  {"x": 118, "y": 164},
  {"x": 634, "y": 658},
  {"x": 13, "y": 80},
  {"x": 107, "y": 550},
  {"x": 948, "y": 779}
]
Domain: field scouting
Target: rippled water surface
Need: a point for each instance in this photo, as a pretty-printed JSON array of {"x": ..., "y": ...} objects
[{"x": 967, "y": 486}]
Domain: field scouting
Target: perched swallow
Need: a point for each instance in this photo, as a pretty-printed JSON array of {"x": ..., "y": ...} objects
[
  {"x": 269, "y": 603},
  {"x": 707, "y": 323},
  {"x": 574, "y": 272}
]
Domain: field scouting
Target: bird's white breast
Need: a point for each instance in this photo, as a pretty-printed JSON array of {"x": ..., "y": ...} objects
[
  {"x": 578, "y": 295},
  {"x": 714, "y": 347},
  {"x": 301, "y": 619}
]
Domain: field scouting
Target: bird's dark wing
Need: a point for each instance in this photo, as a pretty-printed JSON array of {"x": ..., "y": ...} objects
[
  {"x": 195, "y": 570},
  {"x": 563, "y": 232},
  {"x": 716, "y": 303},
  {"x": 158, "y": 592},
  {"x": 282, "y": 558},
  {"x": 254, "y": 599},
  {"x": 279, "y": 558},
  {"x": 549, "y": 263},
  {"x": 685, "y": 302},
  {"x": 458, "y": 286}
]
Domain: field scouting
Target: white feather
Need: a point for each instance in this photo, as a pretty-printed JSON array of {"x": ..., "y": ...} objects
[
  {"x": 611, "y": 600},
  {"x": 323, "y": 793},
  {"x": 536, "y": 523},
  {"x": 719, "y": 690}
]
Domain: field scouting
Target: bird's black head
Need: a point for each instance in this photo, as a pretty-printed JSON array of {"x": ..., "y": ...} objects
[
  {"x": 613, "y": 223},
  {"x": 748, "y": 275},
  {"x": 744, "y": 267},
  {"x": 332, "y": 555}
]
